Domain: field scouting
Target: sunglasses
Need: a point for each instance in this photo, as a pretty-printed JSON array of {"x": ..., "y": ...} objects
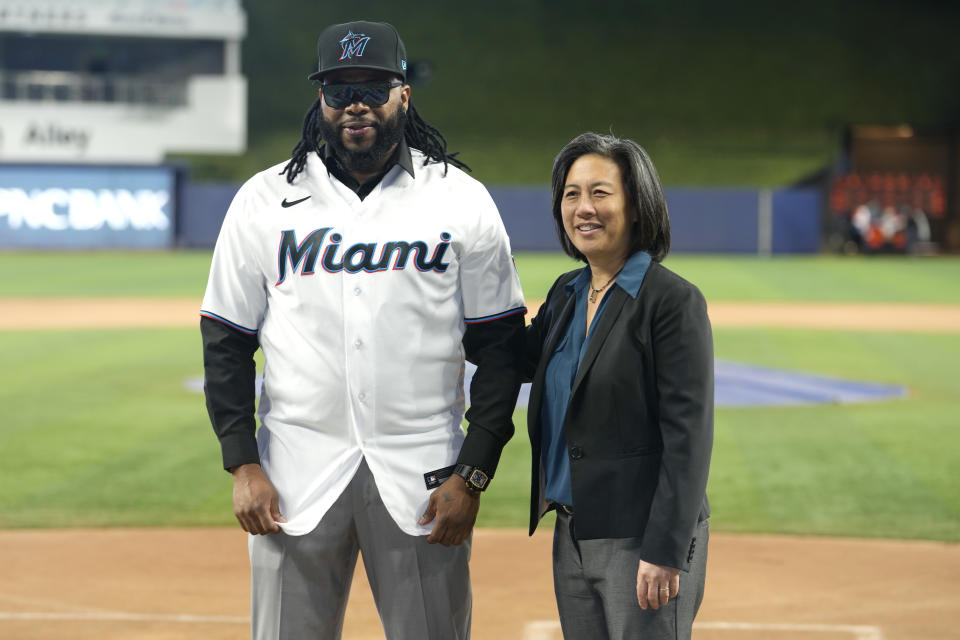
[{"x": 374, "y": 94}]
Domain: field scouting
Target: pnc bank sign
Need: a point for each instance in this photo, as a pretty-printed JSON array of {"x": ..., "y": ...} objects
[{"x": 86, "y": 207}]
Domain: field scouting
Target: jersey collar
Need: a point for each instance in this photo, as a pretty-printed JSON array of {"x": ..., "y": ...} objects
[
  {"x": 401, "y": 156},
  {"x": 629, "y": 279}
]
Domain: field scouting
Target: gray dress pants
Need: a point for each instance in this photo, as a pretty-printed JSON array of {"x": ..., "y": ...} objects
[
  {"x": 300, "y": 584},
  {"x": 596, "y": 586}
]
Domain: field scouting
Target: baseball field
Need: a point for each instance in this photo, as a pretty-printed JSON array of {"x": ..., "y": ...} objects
[{"x": 830, "y": 520}]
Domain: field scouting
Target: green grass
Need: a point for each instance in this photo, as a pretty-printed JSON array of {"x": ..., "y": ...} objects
[
  {"x": 113, "y": 274},
  {"x": 102, "y": 432},
  {"x": 878, "y": 469},
  {"x": 99, "y": 430},
  {"x": 781, "y": 278},
  {"x": 884, "y": 469},
  {"x": 719, "y": 93},
  {"x": 683, "y": 157},
  {"x": 786, "y": 278}
]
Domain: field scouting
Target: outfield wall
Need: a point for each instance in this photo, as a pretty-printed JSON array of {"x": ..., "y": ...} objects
[
  {"x": 702, "y": 220},
  {"x": 713, "y": 220},
  {"x": 117, "y": 207},
  {"x": 87, "y": 207}
]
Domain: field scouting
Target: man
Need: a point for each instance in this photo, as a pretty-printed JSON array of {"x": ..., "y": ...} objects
[{"x": 365, "y": 269}]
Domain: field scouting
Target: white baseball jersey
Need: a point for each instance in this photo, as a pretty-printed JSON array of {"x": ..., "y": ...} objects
[{"x": 360, "y": 308}]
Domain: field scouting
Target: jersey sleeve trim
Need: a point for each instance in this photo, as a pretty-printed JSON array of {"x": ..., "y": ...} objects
[
  {"x": 496, "y": 316},
  {"x": 232, "y": 325}
]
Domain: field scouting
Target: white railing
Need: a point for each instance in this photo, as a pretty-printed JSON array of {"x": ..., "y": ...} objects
[{"x": 64, "y": 86}]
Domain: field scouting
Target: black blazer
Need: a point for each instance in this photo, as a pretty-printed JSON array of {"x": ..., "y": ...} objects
[{"x": 639, "y": 425}]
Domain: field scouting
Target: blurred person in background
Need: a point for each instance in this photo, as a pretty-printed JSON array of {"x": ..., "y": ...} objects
[
  {"x": 621, "y": 408},
  {"x": 366, "y": 268}
]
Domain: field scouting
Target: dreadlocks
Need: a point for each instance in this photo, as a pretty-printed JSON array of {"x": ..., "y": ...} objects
[
  {"x": 422, "y": 135},
  {"x": 309, "y": 141},
  {"x": 419, "y": 134}
]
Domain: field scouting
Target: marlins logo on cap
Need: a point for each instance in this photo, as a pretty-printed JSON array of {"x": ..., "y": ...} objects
[
  {"x": 360, "y": 45},
  {"x": 353, "y": 45}
]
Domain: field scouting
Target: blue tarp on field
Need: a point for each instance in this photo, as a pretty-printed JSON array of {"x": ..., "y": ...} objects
[
  {"x": 739, "y": 385},
  {"x": 746, "y": 385}
]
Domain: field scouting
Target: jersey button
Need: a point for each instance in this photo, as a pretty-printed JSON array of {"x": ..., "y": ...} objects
[
  {"x": 356, "y": 291},
  {"x": 358, "y": 343},
  {"x": 362, "y": 396}
]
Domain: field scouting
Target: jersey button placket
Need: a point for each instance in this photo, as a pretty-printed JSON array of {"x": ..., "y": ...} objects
[
  {"x": 358, "y": 327},
  {"x": 359, "y": 368}
]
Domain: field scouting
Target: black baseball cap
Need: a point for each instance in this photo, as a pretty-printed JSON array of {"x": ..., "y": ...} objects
[{"x": 360, "y": 45}]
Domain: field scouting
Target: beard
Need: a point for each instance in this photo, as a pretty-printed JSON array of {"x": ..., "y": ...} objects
[{"x": 386, "y": 135}]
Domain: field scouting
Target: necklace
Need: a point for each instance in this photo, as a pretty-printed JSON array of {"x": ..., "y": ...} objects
[{"x": 594, "y": 292}]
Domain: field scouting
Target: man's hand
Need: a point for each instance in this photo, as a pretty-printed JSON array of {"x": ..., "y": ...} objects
[
  {"x": 656, "y": 585},
  {"x": 455, "y": 508},
  {"x": 255, "y": 500}
]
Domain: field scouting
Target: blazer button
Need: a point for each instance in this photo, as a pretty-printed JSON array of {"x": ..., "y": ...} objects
[{"x": 576, "y": 452}]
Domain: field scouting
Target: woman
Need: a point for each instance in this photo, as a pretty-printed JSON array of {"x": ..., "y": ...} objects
[{"x": 621, "y": 410}]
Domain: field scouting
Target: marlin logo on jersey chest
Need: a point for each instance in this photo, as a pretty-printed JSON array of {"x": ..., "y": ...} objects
[{"x": 369, "y": 257}]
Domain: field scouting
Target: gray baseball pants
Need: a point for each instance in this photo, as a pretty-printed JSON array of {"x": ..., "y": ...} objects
[
  {"x": 596, "y": 586},
  {"x": 300, "y": 584}
]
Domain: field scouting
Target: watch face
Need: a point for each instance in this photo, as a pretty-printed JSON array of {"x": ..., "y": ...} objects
[{"x": 478, "y": 479}]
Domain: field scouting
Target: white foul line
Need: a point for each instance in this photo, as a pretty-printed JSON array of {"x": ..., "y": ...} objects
[
  {"x": 122, "y": 617},
  {"x": 534, "y": 630},
  {"x": 540, "y": 630},
  {"x": 860, "y": 632},
  {"x": 546, "y": 629}
]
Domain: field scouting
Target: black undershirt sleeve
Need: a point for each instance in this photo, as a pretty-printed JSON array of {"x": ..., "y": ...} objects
[
  {"x": 495, "y": 348},
  {"x": 230, "y": 388}
]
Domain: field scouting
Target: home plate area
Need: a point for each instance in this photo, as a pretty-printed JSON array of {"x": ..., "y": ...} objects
[
  {"x": 193, "y": 584},
  {"x": 550, "y": 630}
]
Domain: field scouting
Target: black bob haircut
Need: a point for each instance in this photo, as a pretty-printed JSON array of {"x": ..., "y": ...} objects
[{"x": 644, "y": 193}]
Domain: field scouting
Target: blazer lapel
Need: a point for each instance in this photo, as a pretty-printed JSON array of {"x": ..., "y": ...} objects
[
  {"x": 558, "y": 328},
  {"x": 553, "y": 337},
  {"x": 599, "y": 334}
]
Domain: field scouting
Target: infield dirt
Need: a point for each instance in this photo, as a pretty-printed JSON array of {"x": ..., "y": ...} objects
[
  {"x": 117, "y": 313},
  {"x": 192, "y": 584}
]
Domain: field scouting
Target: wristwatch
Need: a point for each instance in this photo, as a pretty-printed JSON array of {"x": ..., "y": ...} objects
[{"x": 476, "y": 479}]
